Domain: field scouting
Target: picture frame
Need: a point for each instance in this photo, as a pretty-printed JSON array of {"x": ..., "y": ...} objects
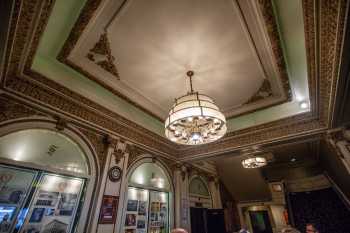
[
  {"x": 132, "y": 205},
  {"x": 108, "y": 211},
  {"x": 130, "y": 220}
]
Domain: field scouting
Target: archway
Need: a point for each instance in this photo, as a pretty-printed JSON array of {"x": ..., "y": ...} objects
[
  {"x": 47, "y": 178},
  {"x": 148, "y": 199},
  {"x": 199, "y": 193}
]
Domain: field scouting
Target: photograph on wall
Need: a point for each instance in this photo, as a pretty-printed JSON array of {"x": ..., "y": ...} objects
[
  {"x": 47, "y": 198},
  {"x": 130, "y": 220},
  {"x": 54, "y": 204},
  {"x": 142, "y": 208},
  {"x": 154, "y": 217},
  {"x": 37, "y": 215},
  {"x": 50, "y": 212},
  {"x": 163, "y": 207},
  {"x": 55, "y": 226},
  {"x": 155, "y": 207},
  {"x": 132, "y": 205},
  {"x": 108, "y": 211},
  {"x": 14, "y": 184},
  {"x": 67, "y": 203},
  {"x": 141, "y": 223},
  {"x": 33, "y": 229},
  {"x": 6, "y": 214}
]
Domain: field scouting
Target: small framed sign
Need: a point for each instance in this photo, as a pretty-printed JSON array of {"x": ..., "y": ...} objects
[{"x": 109, "y": 208}]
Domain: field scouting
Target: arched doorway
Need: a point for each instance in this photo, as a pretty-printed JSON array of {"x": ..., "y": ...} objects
[
  {"x": 199, "y": 193},
  {"x": 46, "y": 179},
  {"x": 148, "y": 199}
]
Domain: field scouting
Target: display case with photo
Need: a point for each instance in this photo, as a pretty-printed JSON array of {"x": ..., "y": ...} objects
[
  {"x": 136, "y": 216},
  {"x": 146, "y": 211},
  {"x": 158, "y": 222},
  {"x": 54, "y": 204},
  {"x": 15, "y": 185},
  {"x": 132, "y": 205}
]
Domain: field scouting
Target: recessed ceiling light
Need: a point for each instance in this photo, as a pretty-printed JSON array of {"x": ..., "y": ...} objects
[
  {"x": 304, "y": 104},
  {"x": 293, "y": 160}
]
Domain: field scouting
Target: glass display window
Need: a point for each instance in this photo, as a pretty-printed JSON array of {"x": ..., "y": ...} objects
[
  {"x": 15, "y": 185},
  {"x": 136, "y": 214},
  {"x": 159, "y": 212},
  {"x": 54, "y": 204},
  {"x": 146, "y": 208},
  {"x": 43, "y": 173}
]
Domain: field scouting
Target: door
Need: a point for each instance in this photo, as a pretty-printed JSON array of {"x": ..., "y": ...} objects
[
  {"x": 216, "y": 221},
  {"x": 198, "y": 220},
  {"x": 260, "y": 221}
]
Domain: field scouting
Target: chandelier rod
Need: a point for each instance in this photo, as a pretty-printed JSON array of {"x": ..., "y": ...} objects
[{"x": 190, "y": 73}]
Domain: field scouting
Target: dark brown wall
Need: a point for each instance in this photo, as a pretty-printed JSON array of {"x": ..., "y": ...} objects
[
  {"x": 5, "y": 12},
  {"x": 335, "y": 168}
]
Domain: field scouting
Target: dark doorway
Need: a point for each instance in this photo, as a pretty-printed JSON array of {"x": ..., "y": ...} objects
[
  {"x": 216, "y": 221},
  {"x": 260, "y": 221},
  {"x": 198, "y": 220},
  {"x": 207, "y": 220}
]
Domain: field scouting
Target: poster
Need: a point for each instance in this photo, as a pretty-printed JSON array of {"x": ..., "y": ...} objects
[
  {"x": 54, "y": 204},
  {"x": 130, "y": 220},
  {"x": 108, "y": 212},
  {"x": 132, "y": 205},
  {"x": 142, "y": 208},
  {"x": 136, "y": 215}
]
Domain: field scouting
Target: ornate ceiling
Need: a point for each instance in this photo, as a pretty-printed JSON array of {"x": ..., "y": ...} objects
[
  {"x": 118, "y": 70},
  {"x": 141, "y": 51}
]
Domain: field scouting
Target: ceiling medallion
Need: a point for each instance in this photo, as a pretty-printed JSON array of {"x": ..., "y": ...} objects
[
  {"x": 194, "y": 119},
  {"x": 254, "y": 162}
]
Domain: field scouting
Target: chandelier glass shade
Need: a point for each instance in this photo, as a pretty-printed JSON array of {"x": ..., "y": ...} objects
[
  {"x": 254, "y": 162},
  {"x": 194, "y": 119}
]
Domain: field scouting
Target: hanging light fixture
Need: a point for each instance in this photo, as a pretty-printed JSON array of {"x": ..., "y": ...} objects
[
  {"x": 254, "y": 162},
  {"x": 194, "y": 119}
]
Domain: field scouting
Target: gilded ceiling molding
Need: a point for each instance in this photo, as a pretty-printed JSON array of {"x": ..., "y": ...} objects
[
  {"x": 332, "y": 21},
  {"x": 78, "y": 28},
  {"x": 11, "y": 109},
  {"x": 90, "y": 9},
  {"x": 268, "y": 14},
  {"x": 32, "y": 86},
  {"x": 310, "y": 22},
  {"x": 101, "y": 55},
  {"x": 264, "y": 92}
]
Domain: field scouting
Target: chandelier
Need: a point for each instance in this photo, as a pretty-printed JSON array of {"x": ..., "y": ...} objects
[
  {"x": 194, "y": 119},
  {"x": 254, "y": 162}
]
